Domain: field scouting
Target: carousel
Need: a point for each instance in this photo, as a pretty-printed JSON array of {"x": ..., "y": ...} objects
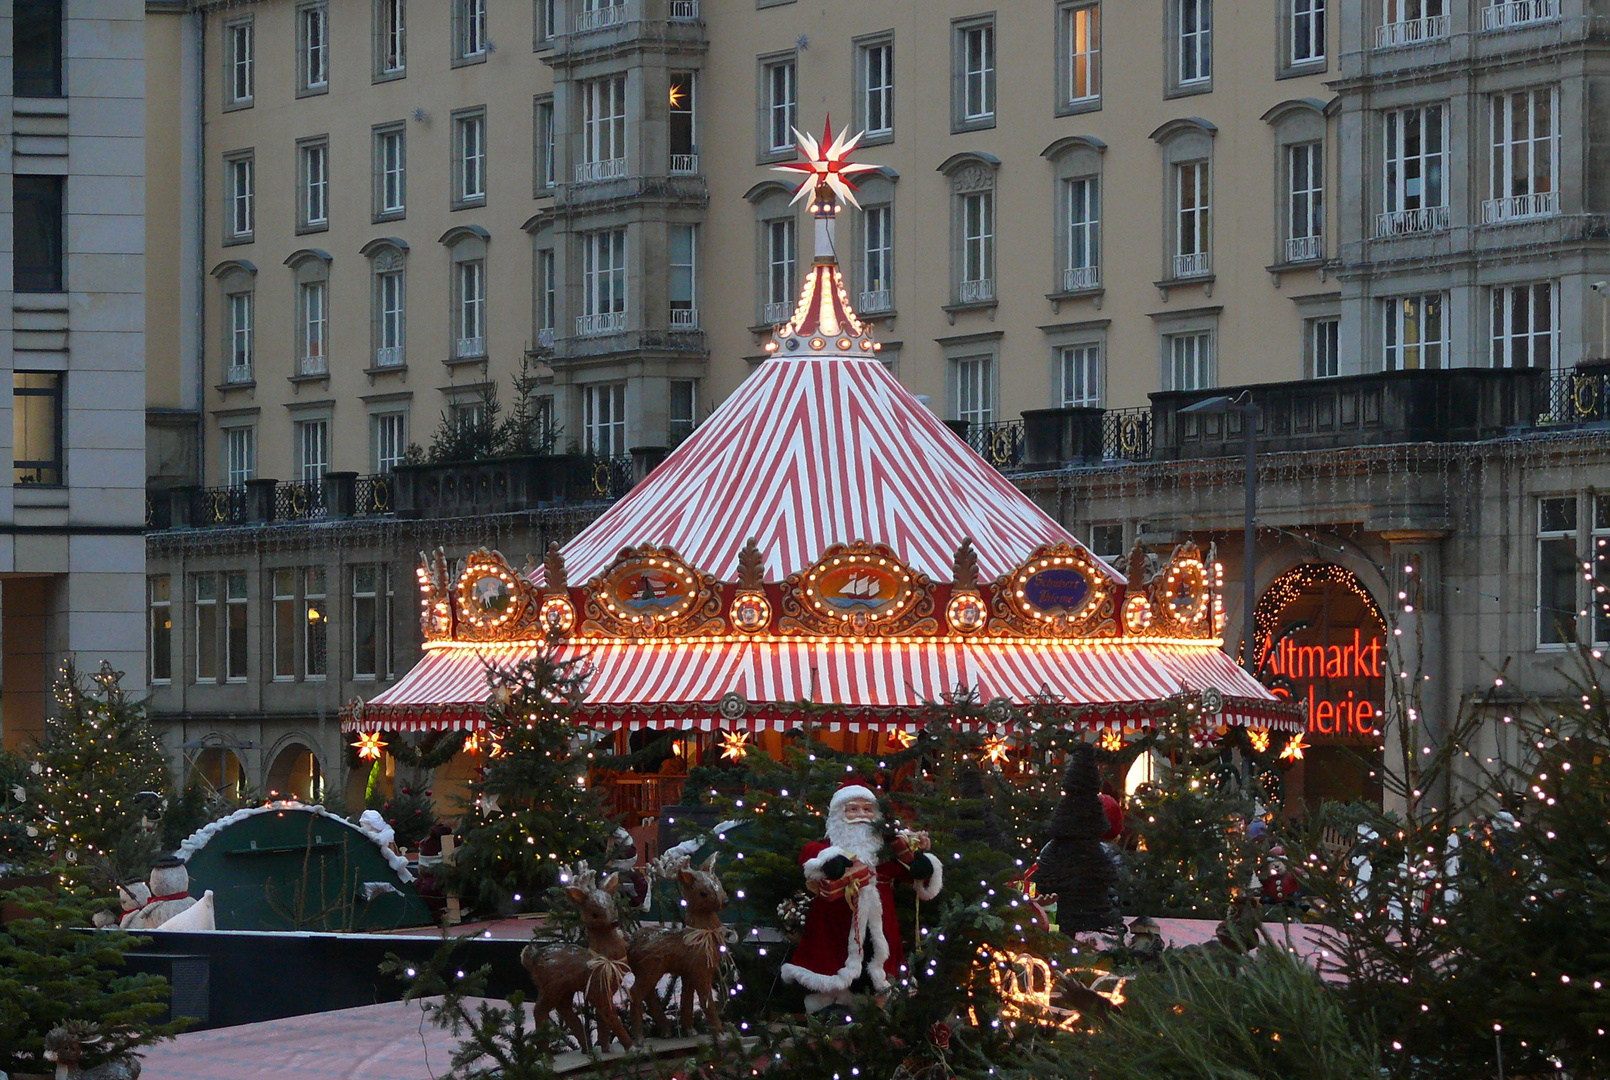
[{"x": 824, "y": 551}]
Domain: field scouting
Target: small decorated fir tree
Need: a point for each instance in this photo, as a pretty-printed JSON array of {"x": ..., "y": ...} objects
[{"x": 1073, "y": 865}]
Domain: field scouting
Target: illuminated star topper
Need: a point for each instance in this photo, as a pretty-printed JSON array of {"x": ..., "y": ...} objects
[{"x": 825, "y": 163}]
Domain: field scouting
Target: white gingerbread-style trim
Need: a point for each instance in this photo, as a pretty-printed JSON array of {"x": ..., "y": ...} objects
[{"x": 200, "y": 838}]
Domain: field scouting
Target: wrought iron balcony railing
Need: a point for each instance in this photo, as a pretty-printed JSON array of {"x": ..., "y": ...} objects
[
  {"x": 1538, "y": 204},
  {"x": 1399, "y": 35},
  {"x": 1408, "y": 222},
  {"x": 1305, "y": 249},
  {"x": 1515, "y": 13}
]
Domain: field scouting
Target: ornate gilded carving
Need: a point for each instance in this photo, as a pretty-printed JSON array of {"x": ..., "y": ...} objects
[
  {"x": 750, "y": 612},
  {"x": 858, "y": 590},
  {"x": 1180, "y": 595},
  {"x": 435, "y": 595},
  {"x": 553, "y": 570},
  {"x": 1059, "y": 591},
  {"x": 493, "y": 602},
  {"x": 967, "y": 613},
  {"x": 651, "y": 591}
]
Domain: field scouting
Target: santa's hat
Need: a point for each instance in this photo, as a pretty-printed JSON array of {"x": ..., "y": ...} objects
[{"x": 852, "y": 788}]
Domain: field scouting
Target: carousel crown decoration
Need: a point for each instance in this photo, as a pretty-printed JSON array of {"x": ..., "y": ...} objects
[{"x": 824, "y": 323}]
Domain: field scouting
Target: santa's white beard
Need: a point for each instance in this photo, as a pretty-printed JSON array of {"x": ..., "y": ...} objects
[{"x": 860, "y": 839}]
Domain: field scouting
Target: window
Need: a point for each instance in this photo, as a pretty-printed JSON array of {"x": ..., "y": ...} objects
[
  {"x": 1413, "y": 332},
  {"x": 235, "y": 640},
  {"x": 1305, "y": 217},
  {"x": 974, "y": 93},
  {"x": 1601, "y": 570},
  {"x": 469, "y": 175},
  {"x": 877, "y": 88},
  {"x": 469, "y": 30},
  {"x": 36, "y": 39},
  {"x": 974, "y": 378},
  {"x": 38, "y": 261},
  {"x": 391, "y": 172},
  {"x": 390, "y": 315},
  {"x": 1526, "y": 155},
  {"x": 315, "y": 621},
  {"x": 1525, "y": 325},
  {"x": 312, "y": 327},
  {"x": 544, "y": 144},
  {"x": 780, "y": 105},
  {"x": 603, "y": 418},
  {"x": 1324, "y": 340},
  {"x": 240, "y": 455},
  {"x": 389, "y": 432},
  {"x": 1307, "y": 32},
  {"x": 1508, "y": 14},
  {"x": 1193, "y": 220},
  {"x": 603, "y": 282},
  {"x": 313, "y": 450},
  {"x": 603, "y": 124},
  {"x": 779, "y": 269},
  {"x": 1190, "y": 361},
  {"x": 682, "y": 123},
  {"x": 313, "y": 46},
  {"x": 240, "y": 184},
  {"x": 1410, "y": 22},
  {"x": 239, "y": 63},
  {"x": 471, "y": 322},
  {"x": 284, "y": 584},
  {"x": 1558, "y": 569},
  {"x": 1107, "y": 542},
  {"x": 242, "y": 337},
  {"x": 206, "y": 602},
  {"x": 1082, "y": 270},
  {"x": 366, "y": 629},
  {"x": 1081, "y": 48},
  {"x": 681, "y": 409},
  {"x": 978, "y": 247},
  {"x": 36, "y": 427},
  {"x": 684, "y": 276},
  {"x": 159, "y": 632},
  {"x": 391, "y": 38},
  {"x": 547, "y": 22},
  {"x": 877, "y": 259},
  {"x": 1414, "y": 196},
  {"x": 1194, "y": 46},
  {"x": 548, "y": 298},
  {"x": 1081, "y": 377},
  {"x": 315, "y": 181}
]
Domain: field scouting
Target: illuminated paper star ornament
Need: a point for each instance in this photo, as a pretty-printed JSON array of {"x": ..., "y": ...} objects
[
  {"x": 1294, "y": 749},
  {"x": 827, "y": 162},
  {"x": 734, "y": 745},
  {"x": 368, "y": 745}
]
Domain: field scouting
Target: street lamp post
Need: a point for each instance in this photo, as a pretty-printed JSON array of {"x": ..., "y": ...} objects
[{"x": 1250, "y": 412}]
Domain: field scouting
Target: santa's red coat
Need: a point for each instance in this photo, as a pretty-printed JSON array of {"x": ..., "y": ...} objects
[{"x": 833, "y": 949}]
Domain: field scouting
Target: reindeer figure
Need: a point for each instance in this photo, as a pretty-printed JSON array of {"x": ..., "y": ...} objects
[
  {"x": 692, "y": 951},
  {"x": 560, "y": 972}
]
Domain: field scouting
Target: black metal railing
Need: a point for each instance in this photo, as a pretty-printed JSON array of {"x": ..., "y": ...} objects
[
  {"x": 299, "y": 500},
  {"x": 158, "y": 510},
  {"x": 218, "y": 506},
  {"x": 1581, "y": 396},
  {"x": 1126, "y": 434},
  {"x": 1000, "y": 443},
  {"x": 374, "y": 495},
  {"x": 610, "y": 477}
]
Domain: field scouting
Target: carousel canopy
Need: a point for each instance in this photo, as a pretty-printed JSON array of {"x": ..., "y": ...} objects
[{"x": 823, "y": 549}]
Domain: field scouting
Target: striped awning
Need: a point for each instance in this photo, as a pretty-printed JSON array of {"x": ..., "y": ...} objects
[{"x": 842, "y": 684}]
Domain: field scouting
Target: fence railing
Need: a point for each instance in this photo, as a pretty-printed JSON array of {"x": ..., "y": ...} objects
[
  {"x": 593, "y": 172},
  {"x": 1505, "y": 16},
  {"x": 239, "y": 373},
  {"x": 1126, "y": 434},
  {"x": 876, "y": 300},
  {"x": 298, "y": 500},
  {"x": 607, "y": 323},
  {"x": 611, "y": 476},
  {"x": 1581, "y": 396},
  {"x": 1304, "y": 248},
  {"x": 1075, "y": 278},
  {"x": 683, "y": 10},
  {"x": 467, "y": 347},
  {"x": 999, "y": 443},
  {"x": 388, "y": 356},
  {"x": 684, "y": 318},
  {"x": 1398, "y": 35},
  {"x": 1193, "y": 264},
  {"x": 1408, "y": 222},
  {"x": 1520, "y": 207},
  {"x": 776, "y": 313},
  {"x": 600, "y": 18},
  {"x": 374, "y": 495},
  {"x": 313, "y": 365},
  {"x": 977, "y": 292},
  {"x": 545, "y": 337},
  {"x": 684, "y": 164}
]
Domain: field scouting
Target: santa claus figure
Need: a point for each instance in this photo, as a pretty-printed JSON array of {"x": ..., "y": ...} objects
[{"x": 851, "y": 929}]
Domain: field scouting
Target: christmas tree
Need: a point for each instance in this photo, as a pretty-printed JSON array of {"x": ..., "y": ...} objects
[
  {"x": 1073, "y": 865},
  {"x": 530, "y": 810},
  {"x": 103, "y": 777}
]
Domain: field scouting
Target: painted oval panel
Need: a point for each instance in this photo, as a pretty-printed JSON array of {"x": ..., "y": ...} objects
[
  {"x": 491, "y": 594},
  {"x": 858, "y": 585},
  {"x": 650, "y": 588},
  {"x": 1056, "y": 589}
]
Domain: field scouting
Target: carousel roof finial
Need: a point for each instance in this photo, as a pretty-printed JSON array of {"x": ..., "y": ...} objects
[{"x": 827, "y": 165}]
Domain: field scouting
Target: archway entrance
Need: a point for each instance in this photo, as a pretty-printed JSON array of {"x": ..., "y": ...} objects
[
  {"x": 295, "y": 774},
  {"x": 220, "y": 771},
  {"x": 1322, "y": 644}
]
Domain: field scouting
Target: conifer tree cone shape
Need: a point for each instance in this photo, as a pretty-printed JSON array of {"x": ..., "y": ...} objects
[{"x": 1073, "y": 864}]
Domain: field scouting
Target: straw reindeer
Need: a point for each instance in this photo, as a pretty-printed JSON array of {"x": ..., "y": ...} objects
[
  {"x": 693, "y": 952},
  {"x": 597, "y": 972}
]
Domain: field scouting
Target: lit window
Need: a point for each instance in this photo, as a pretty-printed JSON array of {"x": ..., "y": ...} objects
[
  {"x": 316, "y": 623},
  {"x": 1413, "y": 332},
  {"x": 36, "y": 427},
  {"x": 1081, "y": 29},
  {"x": 159, "y": 638}
]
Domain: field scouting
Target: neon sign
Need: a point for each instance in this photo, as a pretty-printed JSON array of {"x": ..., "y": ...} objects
[{"x": 1322, "y": 645}]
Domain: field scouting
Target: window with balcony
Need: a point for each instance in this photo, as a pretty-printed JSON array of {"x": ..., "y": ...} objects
[
  {"x": 1411, "y": 22},
  {"x": 1513, "y": 14},
  {"x": 240, "y": 63},
  {"x": 313, "y": 47},
  {"x": 1525, "y": 325},
  {"x": 236, "y": 638},
  {"x": 240, "y": 187},
  {"x": 603, "y": 418},
  {"x": 603, "y": 283},
  {"x": 469, "y": 325},
  {"x": 973, "y": 389},
  {"x": 1082, "y": 376},
  {"x": 159, "y": 634},
  {"x": 36, "y": 428},
  {"x": 877, "y": 259},
  {"x": 1192, "y": 39},
  {"x": 1414, "y": 332},
  {"x": 205, "y": 588},
  {"x": 469, "y": 158},
  {"x": 682, "y": 129},
  {"x": 391, "y": 39},
  {"x": 1079, "y": 28},
  {"x": 1559, "y": 569},
  {"x": 470, "y": 44},
  {"x": 1082, "y": 207},
  {"x": 312, "y": 450},
  {"x": 1193, "y": 220},
  {"x": 779, "y": 106},
  {"x": 313, "y": 168},
  {"x": 547, "y": 298},
  {"x": 603, "y": 130},
  {"x": 1190, "y": 361},
  {"x": 38, "y": 256},
  {"x": 543, "y": 142},
  {"x": 599, "y": 14},
  {"x": 1526, "y": 155},
  {"x": 1306, "y": 38},
  {"x": 242, "y": 337},
  {"x": 781, "y": 279},
  {"x": 388, "y": 435},
  {"x": 875, "y": 64},
  {"x": 36, "y": 42},
  {"x": 1324, "y": 348},
  {"x": 391, "y": 172},
  {"x": 240, "y": 455},
  {"x": 681, "y": 416},
  {"x": 683, "y": 284},
  {"x": 973, "y": 78},
  {"x": 313, "y": 327},
  {"x": 388, "y": 304},
  {"x": 315, "y": 624},
  {"x": 1305, "y": 202},
  {"x": 1414, "y": 196},
  {"x": 977, "y": 285}
]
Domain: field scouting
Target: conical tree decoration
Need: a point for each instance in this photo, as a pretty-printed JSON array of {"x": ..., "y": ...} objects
[{"x": 1073, "y": 864}]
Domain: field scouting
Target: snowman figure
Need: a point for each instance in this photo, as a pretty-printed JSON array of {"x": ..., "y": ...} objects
[{"x": 170, "y": 895}]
